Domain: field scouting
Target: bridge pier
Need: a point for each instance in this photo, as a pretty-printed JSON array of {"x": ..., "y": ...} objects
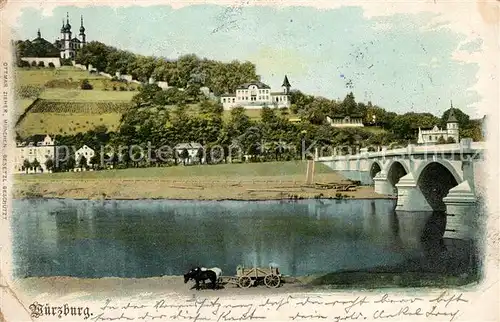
[
  {"x": 382, "y": 184},
  {"x": 461, "y": 212},
  {"x": 410, "y": 197}
]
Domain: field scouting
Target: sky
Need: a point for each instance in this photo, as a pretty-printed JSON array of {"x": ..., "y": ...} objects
[{"x": 401, "y": 57}]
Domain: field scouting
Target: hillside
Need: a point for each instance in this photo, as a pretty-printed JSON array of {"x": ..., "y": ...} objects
[{"x": 51, "y": 101}]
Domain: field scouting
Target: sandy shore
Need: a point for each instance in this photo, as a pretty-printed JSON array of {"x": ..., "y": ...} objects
[
  {"x": 154, "y": 286},
  {"x": 194, "y": 188}
]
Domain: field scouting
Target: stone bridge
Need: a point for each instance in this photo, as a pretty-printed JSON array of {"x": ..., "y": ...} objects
[{"x": 441, "y": 177}]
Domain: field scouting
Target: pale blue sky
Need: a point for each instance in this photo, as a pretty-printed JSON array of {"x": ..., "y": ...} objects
[{"x": 389, "y": 60}]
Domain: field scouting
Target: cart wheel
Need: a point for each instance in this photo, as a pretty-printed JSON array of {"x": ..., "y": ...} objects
[
  {"x": 245, "y": 282},
  {"x": 272, "y": 280}
]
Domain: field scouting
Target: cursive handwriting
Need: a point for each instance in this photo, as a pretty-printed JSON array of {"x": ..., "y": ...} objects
[
  {"x": 380, "y": 307},
  {"x": 101, "y": 317},
  {"x": 385, "y": 299},
  {"x": 444, "y": 297},
  {"x": 435, "y": 312}
]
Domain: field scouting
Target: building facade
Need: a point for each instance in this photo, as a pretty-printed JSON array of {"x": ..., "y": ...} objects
[
  {"x": 345, "y": 121},
  {"x": 192, "y": 149},
  {"x": 36, "y": 150},
  {"x": 255, "y": 95},
  {"x": 451, "y": 133},
  {"x": 84, "y": 151},
  {"x": 69, "y": 45}
]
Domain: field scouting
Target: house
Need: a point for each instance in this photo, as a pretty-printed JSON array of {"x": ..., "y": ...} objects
[
  {"x": 37, "y": 147},
  {"x": 340, "y": 120},
  {"x": 192, "y": 149},
  {"x": 255, "y": 95},
  {"x": 433, "y": 135},
  {"x": 86, "y": 152}
]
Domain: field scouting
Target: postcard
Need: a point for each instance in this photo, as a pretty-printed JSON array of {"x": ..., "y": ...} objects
[{"x": 249, "y": 160}]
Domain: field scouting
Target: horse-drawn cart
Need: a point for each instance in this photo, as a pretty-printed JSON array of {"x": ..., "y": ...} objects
[{"x": 246, "y": 277}]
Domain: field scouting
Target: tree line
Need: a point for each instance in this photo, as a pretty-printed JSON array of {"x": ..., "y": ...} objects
[
  {"x": 151, "y": 122},
  {"x": 188, "y": 72}
]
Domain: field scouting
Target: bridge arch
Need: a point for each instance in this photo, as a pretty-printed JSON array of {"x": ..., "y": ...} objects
[
  {"x": 395, "y": 171},
  {"x": 375, "y": 168},
  {"x": 433, "y": 189}
]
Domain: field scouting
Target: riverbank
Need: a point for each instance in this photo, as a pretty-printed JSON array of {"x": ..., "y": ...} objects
[
  {"x": 201, "y": 187},
  {"x": 106, "y": 287}
]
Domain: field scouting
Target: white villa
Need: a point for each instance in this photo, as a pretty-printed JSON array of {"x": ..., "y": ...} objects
[
  {"x": 85, "y": 151},
  {"x": 432, "y": 136},
  {"x": 192, "y": 149},
  {"x": 345, "y": 121},
  {"x": 37, "y": 147},
  {"x": 255, "y": 95}
]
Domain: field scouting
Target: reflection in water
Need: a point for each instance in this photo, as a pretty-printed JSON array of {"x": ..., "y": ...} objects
[{"x": 154, "y": 238}]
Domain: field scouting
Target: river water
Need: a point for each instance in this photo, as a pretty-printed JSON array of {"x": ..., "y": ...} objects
[{"x": 153, "y": 238}]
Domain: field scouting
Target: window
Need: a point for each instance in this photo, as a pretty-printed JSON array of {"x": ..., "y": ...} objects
[
  {"x": 233, "y": 100},
  {"x": 224, "y": 100}
]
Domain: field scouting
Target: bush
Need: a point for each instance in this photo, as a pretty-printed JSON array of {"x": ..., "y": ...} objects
[
  {"x": 123, "y": 88},
  {"x": 51, "y": 65},
  {"x": 85, "y": 85},
  {"x": 33, "y": 63},
  {"x": 41, "y": 64},
  {"x": 22, "y": 63},
  {"x": 66, "y": 62}
]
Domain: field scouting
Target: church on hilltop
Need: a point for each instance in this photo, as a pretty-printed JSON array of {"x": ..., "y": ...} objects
[
  {"x": 68, "y": 45},
  {"x": 255, "y": 95}
]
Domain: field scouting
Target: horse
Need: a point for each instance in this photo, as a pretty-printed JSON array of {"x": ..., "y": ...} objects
[{"x": 201, "y": 274}]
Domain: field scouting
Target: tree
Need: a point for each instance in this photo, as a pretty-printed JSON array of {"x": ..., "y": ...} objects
[
  {"x": 199, "y": 155},
  {"x": 94, "y": 53},
  {"x": 35, "y": 164},
  {"x": 82, "y": 162},
  {"x": 49, "y": 164},
  {"x": 441, "y": 140},
  {"x": 94, "y": 161},
  {"x": 26, "y": 165},
  {"x": 349, "y": 104},
  {"x": 41, "y": 63},
  {"x": 450, "y": 140},
  {"x": 70, "y": 163},
  {"x": 51, "y": 65},
  {"x": 267, "y": 115},
  {"x": 36, "y": 48},
  {"x": 114, "y": 160},
  {"x": 184, "y": 155}
]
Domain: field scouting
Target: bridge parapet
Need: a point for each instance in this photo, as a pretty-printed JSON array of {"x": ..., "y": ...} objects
[{"x": 466, "y": 146}]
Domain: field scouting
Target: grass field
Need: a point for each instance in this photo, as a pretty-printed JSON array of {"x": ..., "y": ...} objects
[
  {"x": 65, "y": 123},
  {"x": 40, "y": 76},
  {"x": 22, "y": 105},
  {"x": 89, "y": 95},
  {"x": 219, "y": 170}
]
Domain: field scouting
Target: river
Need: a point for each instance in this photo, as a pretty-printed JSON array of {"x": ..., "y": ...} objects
[{"x": 144, "y": 238}]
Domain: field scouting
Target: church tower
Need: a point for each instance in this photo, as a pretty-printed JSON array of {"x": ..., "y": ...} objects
[
  {"x": 286, "y": 86},
  {"x": 82, "y": 33},
  {"x": 452, "y": 125},
  {"x": 66, "y": 50}
]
